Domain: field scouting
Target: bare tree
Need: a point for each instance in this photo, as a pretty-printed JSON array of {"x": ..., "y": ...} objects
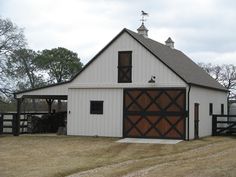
[
  {"x": 224, "y": 74},
  {"x": 228, "y": 79},
  {"x": 11, "y": 39},
  {"x": 213, "y": 70}
]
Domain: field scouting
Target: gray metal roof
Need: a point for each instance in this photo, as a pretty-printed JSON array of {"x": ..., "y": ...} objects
[{"x": 178, "y": 62}]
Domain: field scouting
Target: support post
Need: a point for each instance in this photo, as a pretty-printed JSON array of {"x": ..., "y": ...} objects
[
  {"x": 1, "y": 124},
  {"x": 49, "y": 102},
  {"x": 59, "y": 105},
  {"x": 16, "y": 118},
  {"x": 214, "y": 125}
]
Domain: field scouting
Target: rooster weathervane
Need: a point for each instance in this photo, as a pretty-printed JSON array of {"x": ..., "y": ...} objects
[{"x": 144, "y": 14}]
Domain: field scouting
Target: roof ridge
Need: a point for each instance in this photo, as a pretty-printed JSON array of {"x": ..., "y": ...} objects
[{"x": 152, "y": 40}]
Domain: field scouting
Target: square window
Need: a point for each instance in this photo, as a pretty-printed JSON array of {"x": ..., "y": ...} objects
[{"x": 96, "y": 107}]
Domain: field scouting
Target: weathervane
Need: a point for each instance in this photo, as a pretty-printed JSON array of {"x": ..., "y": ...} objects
[{"x": 144, "y": 14}]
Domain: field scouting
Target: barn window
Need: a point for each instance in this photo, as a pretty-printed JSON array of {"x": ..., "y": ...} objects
[
  {"x": 210, "y": 109},
  {"x": 96, "y": 107},
  {"x": 125, "y": 67},
  {"x": 222, "y": 109}
]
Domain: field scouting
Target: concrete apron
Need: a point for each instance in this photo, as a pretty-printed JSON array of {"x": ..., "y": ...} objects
[{"x": 148, "y": 141}]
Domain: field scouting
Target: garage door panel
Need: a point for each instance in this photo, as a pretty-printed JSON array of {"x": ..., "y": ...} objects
[
  {"x": 181, "y": 100},
  {"x": 143, "y": 125},
  {"x": 152, "y": 108},
  {"x": 154, "y": 113},
  {"x": 153, "y": 133},
  {"x": 134, "y": 118},
  {"x": 127, "y": 125},
  {"x": 144, "y": 101},
  {"x": 173, "y": 108},
  {"x": 174, "y": 94},
  {"x": 173, "y": 119},
  {"x": 128, "y": 101},
  {"x": 180, "y": 126},
  {"x": 163, "y": 101},
  {"x": 176, "y": 101},
  {"x": 134, "y": 133},
  {"x": 163, "y": 126},
  {"x": 152, "y": 119},
  {"x": 172, "y": 133},
  {"x": 177, "y": 125},
  {"x": 153, "y": 93}
]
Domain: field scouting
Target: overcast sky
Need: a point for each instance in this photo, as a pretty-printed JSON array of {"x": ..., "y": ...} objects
[{"x": 205, "y": 30}]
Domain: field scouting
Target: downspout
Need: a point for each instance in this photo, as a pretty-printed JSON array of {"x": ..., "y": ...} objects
[
  {"x": 188, "y": 108},
  {"x": 228, "y": 105}
]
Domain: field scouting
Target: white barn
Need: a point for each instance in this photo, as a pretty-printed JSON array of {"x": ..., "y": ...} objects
[{"x": 137, "y": 87}]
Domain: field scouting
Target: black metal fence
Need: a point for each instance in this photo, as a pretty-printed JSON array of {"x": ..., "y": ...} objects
[
  {"x": 9, "y": 123},
  {"x": 223, "y": 125}
]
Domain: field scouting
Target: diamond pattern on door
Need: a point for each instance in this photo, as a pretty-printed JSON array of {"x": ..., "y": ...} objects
[{"x": 154, "y": 113}]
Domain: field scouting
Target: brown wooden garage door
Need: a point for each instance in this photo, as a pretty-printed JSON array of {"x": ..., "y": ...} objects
[{"x": 154, "y": 113}]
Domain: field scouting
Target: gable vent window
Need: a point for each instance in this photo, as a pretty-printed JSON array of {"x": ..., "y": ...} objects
[
  {"x": 210, "y": 109},
  {"x": 96, "y": 107},
  {"x": 125, "y": 67}
]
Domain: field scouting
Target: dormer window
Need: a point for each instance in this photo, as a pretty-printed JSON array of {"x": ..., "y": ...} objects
[{"x": 125, "y": 67}]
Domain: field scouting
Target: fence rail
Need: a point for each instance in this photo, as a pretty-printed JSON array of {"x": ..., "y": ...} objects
[
  {"x": 9, "y": 124},
  {"x": 223, "y": 125}
]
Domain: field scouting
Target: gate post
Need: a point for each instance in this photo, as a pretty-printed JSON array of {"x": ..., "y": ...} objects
[
  {"x": 1, "y": 124},
  {"x": 16, "y": 119},
  {"x": 214, "y": 125}
]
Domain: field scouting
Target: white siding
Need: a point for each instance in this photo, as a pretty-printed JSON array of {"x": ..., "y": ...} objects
[
  {"x": 104, "y": 70},
  {"x": 144, "y": 65},
  {"x": 204, "y": 97},
  {"x": 232, "y": 109},
  {"x": 81, "y": 122},
  {"x": 54, "y": 90}
]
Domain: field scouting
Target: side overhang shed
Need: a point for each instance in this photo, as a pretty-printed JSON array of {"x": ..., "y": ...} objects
[
  {"x": 56, "y": 90},
  {"x": 49, "y": 93}
]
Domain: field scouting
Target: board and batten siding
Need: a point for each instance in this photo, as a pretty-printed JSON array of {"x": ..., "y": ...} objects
[
  {"x": 103, "y": 70},
  {"x": 232, "y": 109},
  {"x": 203, "y": 97},
  {"x": 81, "y": 122}
]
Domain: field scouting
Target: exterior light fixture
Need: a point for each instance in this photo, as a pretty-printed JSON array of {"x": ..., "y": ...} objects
[{"x": 152, "y": 80}]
